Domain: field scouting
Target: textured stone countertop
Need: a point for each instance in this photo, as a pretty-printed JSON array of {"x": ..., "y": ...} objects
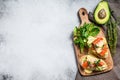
[{"x": 35, "y": 39}]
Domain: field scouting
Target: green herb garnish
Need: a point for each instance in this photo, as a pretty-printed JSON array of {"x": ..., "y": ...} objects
[
  {"x": 82, "y": 33},
  {"x": 97, "y": 62}
]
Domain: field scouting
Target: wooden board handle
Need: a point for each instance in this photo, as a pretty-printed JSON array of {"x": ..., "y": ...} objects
[{"x": 83, "y": 14}]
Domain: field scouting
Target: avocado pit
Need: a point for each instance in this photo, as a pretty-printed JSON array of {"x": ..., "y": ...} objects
[{"x": 102, "y": 14}]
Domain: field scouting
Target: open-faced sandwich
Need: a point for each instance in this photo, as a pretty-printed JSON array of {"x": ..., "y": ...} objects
[
  {"x": 99, "y": 46},
  {"x": 91, "y": 64}
]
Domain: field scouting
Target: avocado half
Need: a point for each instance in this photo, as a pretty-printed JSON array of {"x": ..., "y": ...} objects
[{"x": 102, "y": 12}]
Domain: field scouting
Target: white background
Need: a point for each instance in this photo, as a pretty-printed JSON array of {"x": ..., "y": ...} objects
[{"x": 35, "y": 38}]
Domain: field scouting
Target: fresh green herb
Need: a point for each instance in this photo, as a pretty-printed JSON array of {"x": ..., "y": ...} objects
[
  {"x": 75, "y": 31},
  {"x": 82, "y": 33},
  {"x": 97, "y": 62},
  {"x": 98, "y": 68},
  {"x": 89, "y": 63},
  {"x": 94, "y": 31}
]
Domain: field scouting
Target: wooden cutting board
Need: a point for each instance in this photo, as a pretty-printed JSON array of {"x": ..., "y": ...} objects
[{"x": 83, "y": 14}]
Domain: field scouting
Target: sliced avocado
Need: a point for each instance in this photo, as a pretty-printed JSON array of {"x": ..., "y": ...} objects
[{"x": 102, "y": 12}]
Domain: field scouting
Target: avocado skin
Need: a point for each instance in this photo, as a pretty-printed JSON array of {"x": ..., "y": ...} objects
[{"x": 105, "y": 6}]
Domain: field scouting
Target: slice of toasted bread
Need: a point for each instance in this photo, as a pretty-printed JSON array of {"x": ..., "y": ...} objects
[{"x": 94, "y": 64}]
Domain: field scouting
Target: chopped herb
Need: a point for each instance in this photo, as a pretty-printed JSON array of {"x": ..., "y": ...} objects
[
  {"x": 88, "y": 62},
  {"x": 97, "y": 62}
]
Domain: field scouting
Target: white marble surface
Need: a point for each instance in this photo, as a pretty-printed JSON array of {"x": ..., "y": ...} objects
[{"x": 35, "y": 38}]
